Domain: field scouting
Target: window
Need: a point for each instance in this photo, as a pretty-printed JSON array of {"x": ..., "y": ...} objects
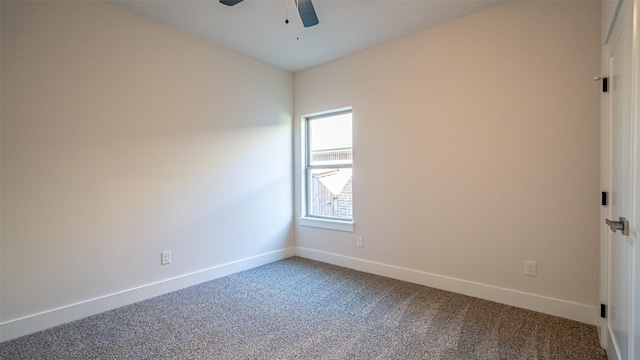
[{"x": 329, "y": 162}]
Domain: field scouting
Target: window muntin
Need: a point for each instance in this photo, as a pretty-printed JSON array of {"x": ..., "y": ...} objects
[{"x": 329, "y": 175}]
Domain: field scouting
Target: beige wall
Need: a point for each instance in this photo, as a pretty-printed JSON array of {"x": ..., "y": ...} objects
[
  {"x": 475, "y": 148},
  {"x": 121, "y": 138}
]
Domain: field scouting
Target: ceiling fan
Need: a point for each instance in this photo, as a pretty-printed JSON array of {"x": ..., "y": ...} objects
[{"x": 305, "y": 9}]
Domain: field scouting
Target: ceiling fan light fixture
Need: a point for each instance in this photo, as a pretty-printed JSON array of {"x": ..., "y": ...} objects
[
  {"x": 305, "y": 9},
  {"x": 230, "y": 2}
]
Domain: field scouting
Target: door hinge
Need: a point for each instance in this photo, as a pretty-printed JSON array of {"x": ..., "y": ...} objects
[
  {"x": 605, "y": 198},
  {"x": 605, "y": 83},
  {"x": 603, "y": 311}
]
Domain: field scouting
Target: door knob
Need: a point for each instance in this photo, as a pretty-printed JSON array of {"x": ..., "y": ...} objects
[{"x": 622, "y": 224}]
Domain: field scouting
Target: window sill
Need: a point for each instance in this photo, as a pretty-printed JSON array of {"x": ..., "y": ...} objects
[{"x": 327, "y": 224}]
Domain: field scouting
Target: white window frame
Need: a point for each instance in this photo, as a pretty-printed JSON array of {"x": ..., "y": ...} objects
[{"x": 313, "y": 220}]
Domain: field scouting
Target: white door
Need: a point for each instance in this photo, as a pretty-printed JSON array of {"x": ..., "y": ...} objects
[{"x": 620, "y": 294}]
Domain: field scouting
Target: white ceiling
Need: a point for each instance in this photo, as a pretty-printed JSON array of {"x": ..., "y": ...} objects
[{"x": 257, "y": 28}]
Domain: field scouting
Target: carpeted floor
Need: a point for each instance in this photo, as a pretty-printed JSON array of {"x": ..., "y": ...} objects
[{"x": 302, "y": 309}]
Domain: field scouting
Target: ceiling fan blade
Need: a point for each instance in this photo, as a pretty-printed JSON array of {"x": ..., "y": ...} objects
[
  {"x": 230, "y": 2},
  {"x": 307, "y": 12}
]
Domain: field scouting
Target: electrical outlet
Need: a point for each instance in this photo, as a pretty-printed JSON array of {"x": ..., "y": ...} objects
[
  {"x": 530, "y": 268},
  {"x": 166, "y": 258},
  {"x": 359, "y": 241}
]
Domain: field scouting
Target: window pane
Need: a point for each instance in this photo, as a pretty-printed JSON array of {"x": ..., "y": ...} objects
[
  {"x": 330, "y": 140},
  {"x": 330, "y": 193}
]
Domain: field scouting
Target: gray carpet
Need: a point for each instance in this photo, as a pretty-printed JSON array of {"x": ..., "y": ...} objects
[{"x": 302, "y": 309}]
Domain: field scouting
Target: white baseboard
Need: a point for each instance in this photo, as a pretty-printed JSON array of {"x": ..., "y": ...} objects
[
  {"x": 36, "y": 322},
  {"x": 610, "y": 347},
  {"x": 547, "y": 305}
]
